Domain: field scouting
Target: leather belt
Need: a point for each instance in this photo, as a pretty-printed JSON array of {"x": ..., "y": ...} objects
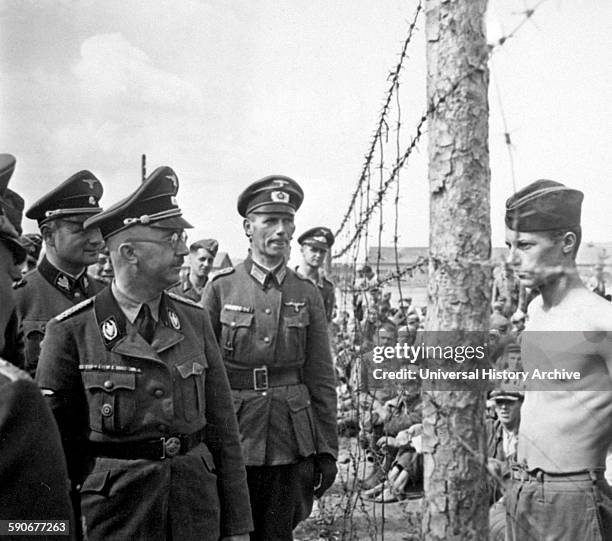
[
  {"x": 520, "y": 474},
  {"x": 157, "y": 449},
  {"x": 263, "y": 377}
]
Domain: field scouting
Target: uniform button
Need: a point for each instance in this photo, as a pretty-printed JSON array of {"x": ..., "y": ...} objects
[
  {"x": 107, "y": 410},
  {"x": 158, "y": 393},
  {"x": 268, "y": 311},
  {"x": 108, "y": 384},
  {"x": 77, "y": 295},
  {"x": 266, "y": 339},
  {"x": 233, "y": 323}
]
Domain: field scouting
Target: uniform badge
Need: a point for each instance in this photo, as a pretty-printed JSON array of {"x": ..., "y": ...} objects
[
  {"x": 279, "y": 197},
  {"x": 297, "y": 306},
  {"x": 92, "y": 200},
  {"x": 174, "y": 320},
  {"x": 173, "y": 179},
  {"x": 90, "y": 182},
  {"x": 109, "y": 329},
  {"x": 63, "y": 282},
  {"x": 85, "y": 281},
  {"x": 280, "y": 183}
]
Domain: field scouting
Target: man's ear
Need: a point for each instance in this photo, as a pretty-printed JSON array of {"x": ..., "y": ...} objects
[
  {"x": 569, "y": 242},
  {"x": 127, "y": 252},
  {"x": 248, "y": 228},
  {"x": 46, "y": 231}
]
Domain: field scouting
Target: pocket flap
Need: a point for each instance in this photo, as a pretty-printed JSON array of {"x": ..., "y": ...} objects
[
  {"x": 298, "y": 320},
  {"x": 109, "y": 381},
  {"x": 33, "y": 326},
  {"x": 190, "y": 368},
  {"x": 95, "y": 482},
  {"x": 236, "y": 319}
]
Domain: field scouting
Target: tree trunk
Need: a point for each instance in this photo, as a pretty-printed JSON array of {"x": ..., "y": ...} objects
[{"x": 456, "y": 500}]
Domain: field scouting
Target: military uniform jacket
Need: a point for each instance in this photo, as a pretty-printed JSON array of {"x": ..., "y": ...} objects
[
  {"x": 47, "y": 292},
  {"x": 186, "y": 289},
  {"x": 105, "y": 383},
  {"x": 329, "y": 296},
  {"x": 281, "y": 324},
  {"x": 33, "y": 477}
]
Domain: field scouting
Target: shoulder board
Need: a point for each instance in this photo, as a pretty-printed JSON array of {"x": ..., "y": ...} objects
[
  {"x": 74, "y": 309},
  {"x": 222, "y": 272},
  {"x": 10, "y": 371},
  {"x": 302, "y": 277},
  {"x": 184, "y": 300}
]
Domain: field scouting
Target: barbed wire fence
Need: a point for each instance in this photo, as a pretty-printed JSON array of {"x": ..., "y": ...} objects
[{"x": 371, "y": 203}]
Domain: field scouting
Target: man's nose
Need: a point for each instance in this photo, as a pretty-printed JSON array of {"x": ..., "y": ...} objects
[
  {"x": 94, "y": 236},
  {"x": 512, "y": 258}
]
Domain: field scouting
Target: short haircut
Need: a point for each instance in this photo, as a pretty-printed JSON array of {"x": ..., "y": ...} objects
[{"x": 557, "y": 234}]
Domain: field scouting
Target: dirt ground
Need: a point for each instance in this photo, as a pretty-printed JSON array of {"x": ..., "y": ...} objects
[{"x": 344, "y": 514}]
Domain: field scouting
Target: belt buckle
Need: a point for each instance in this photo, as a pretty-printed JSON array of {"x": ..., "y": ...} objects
[
  {"x": 170, "y": 447},
  {"x": 260, "y": 378}
]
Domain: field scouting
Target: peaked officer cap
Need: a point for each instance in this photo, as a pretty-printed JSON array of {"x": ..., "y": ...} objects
[
  {"x": 152, "y": 204},
  {"x": 79, "y": 194},
  {"x": 544, "y": 205},
  {"x": 502, "y": 394},
  {"x": 275, "y": 193},
  {"x": 210, "y": 245},
  {"x": 11, "y": 208},
  {"x": 319, "y": 237}
]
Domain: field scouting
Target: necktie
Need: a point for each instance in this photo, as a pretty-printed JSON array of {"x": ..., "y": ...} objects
[{"x": 144, "y": 323}]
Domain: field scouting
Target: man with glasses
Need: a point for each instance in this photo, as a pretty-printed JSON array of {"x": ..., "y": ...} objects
[
  {"x": 271, "y": 325},
  {"x": 61, "y": 279},
  {"x": 135, "y": 379},
  {"x": 558, "y": 488},
  {"x": 33, "y": 477}
]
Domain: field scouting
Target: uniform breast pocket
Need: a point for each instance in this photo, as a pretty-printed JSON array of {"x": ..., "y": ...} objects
[
  {"x": 112, "y": 400},
  {"x": 235, "y": 334},
  {"x": 192, "y": 376},
  {"x": 296, "y": 326},
  {"x": 33, "y": 333}
]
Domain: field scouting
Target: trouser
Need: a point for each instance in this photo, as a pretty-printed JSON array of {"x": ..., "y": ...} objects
[
  {"x": 558, "y": 507},
  {"x": 281, "y": 497}
]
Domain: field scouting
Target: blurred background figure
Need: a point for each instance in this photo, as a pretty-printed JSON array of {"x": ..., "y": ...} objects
[
  {"x": 102, "y": 270},
  {"x": 32, "y": 243},
  {"x": 201, "y": 258}
]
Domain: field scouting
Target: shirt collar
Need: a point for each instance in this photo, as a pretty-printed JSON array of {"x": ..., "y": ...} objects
[
  {"x": 261, "y": 273},
  {"x": 131, "y": 307},
  {"x": 62, "y": 280}
]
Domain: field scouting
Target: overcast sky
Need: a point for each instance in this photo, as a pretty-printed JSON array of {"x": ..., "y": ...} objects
[{"x": 228, "y": 92}]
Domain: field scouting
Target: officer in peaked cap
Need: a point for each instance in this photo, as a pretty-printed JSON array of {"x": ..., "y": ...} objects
[
  {"x": 202, "y": 255},
  {"x": 61, "y": 279},
  {"x": 33, "y": 473},
  {"x": 315, "y": 244},
  {"x": 564, "y": 435},
  {"x": 271, "y": 325},
  {"x": 135, "y": 379}
]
